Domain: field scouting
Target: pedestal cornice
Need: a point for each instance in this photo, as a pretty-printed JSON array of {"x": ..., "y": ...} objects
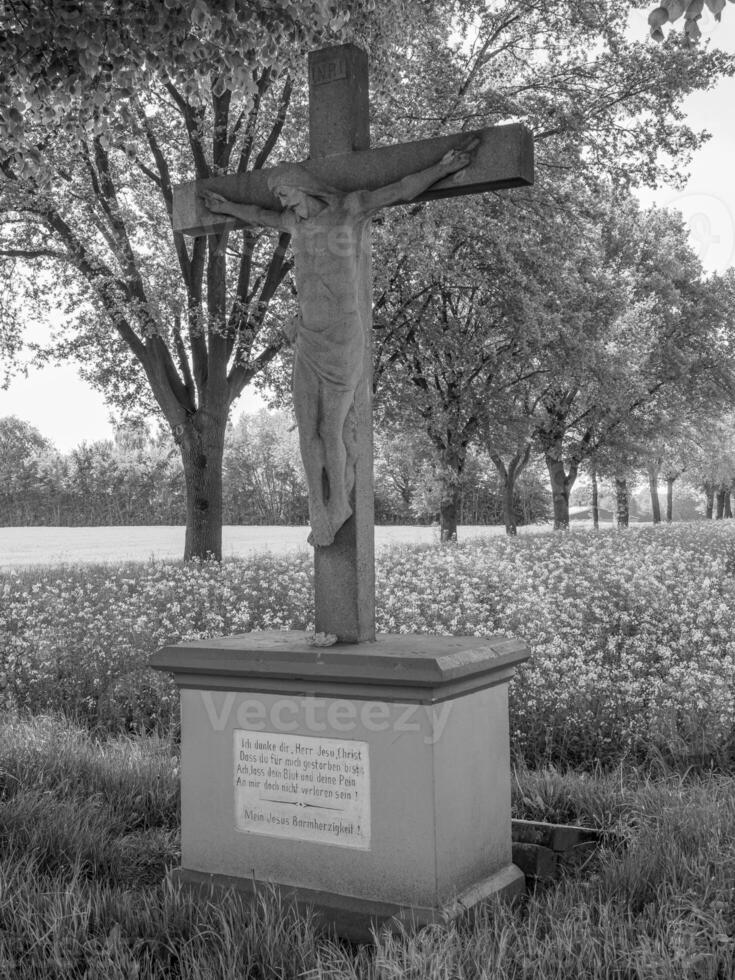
[{"x": 407, "y": 668}]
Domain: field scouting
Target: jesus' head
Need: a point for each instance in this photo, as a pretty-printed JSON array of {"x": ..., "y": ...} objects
[{"x": 298, "y": 189}]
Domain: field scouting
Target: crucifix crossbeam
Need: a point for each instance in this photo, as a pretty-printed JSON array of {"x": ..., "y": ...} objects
[
  {"x": 503, "y": 159},
  {"x": 326, "y": 203}
]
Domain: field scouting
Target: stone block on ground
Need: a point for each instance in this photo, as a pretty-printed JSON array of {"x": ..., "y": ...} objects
[{"x": 536, "y": 861}]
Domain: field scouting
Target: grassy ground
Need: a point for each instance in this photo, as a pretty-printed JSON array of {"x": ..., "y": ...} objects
[
  {"x": 88, "y": 830},
  {"x": 24, "y": 546},
  {"x": 631, "y": 680}
]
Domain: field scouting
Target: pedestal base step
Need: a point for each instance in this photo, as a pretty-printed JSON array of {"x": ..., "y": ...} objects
[{"x": 355, "y": 918}]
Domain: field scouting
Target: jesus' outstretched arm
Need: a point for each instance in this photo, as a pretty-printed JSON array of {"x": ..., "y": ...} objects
[
  {"x": 409, "y": 187},
  {"x": 249, "y": 213}
]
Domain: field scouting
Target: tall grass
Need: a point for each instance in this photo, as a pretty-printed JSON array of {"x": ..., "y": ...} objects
[{"x": 88, "y": 829}]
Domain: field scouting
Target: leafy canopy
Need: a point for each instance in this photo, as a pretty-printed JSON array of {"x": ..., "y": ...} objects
[{"x": 102, "y": 54}]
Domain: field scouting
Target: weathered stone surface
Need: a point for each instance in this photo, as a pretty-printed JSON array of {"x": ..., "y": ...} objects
[
  {"x": 406, "y": 668},
  {"x": 354, "y": 918},
  {"x": 503, "y": 159},
  {"x": 536, "y": 861},
  {"x": 344, "y": 572},
  {"x": 436, "y": 837},
  {"x": 558, "y": 837},
  {"x": 339, "y": 109},
  {"x": 572, "y": 845}
]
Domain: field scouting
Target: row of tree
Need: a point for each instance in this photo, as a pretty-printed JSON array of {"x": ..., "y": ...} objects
[
  {"x": 561, "y": 320},
  {"x": 613, "y": 350},
  {"x": 137, "y": 479}
]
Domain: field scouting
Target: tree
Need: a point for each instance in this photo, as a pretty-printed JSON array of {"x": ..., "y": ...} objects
[
  {"x": 591, "y": 100},
  {"x": 22, "y": 449},
  {"x": 712, "y": 462},
  {"x": 445, "y": 337},
  {"x": 402, "y": 455},
  {"x": 108, "y": 105},
  {"x": 666, "y": 350},
  {"x": 509, "y": 469},
  {"x": 263, "y": 475}
]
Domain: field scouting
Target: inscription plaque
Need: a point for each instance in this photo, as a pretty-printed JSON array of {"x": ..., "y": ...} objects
[
  {"x": 302, "y": 787},
  {"x": 328, "y": 71}
]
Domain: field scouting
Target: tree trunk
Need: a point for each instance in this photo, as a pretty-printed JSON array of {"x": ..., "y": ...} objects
[
  {"x": 653, "y": 487},
  {"x": 561, "y": 485},
  {"x": 709, "y": 494},
  {"x": 448, "y": 509},
  {"x": 448, "y": 470},
  {"x": 202, "y": 446},
  {"x": 509, "y": 511},
  {"x": 728, "y": 504},
  {"x": 670, "y": 499},
  {"x": 720, "y": 504},
  {"x": 622, "y": 506},
  {"x": 508, "y": 475},
  {"x": 595, "y": 501}
]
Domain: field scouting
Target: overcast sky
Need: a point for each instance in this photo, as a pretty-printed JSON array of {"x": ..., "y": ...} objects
[{"x": 65, "y": 410}]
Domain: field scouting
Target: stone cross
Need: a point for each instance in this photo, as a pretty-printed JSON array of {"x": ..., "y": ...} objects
[{"x": 342, "y": 168}]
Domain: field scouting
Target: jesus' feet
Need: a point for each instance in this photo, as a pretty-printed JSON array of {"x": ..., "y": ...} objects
[
  {"x": 338, "y": 515},
  {"x": 322, "y": 534}
]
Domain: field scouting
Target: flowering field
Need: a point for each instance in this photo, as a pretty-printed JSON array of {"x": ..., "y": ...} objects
[{"x": 633, "y": 633}]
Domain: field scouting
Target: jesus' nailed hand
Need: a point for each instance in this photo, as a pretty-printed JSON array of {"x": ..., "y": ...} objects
[{"x": 327, "y": 228}]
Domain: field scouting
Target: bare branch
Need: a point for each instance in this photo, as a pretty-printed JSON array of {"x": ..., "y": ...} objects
[
  {"x": 184, "y": 361},
  {"x": 280, "y": 119},
  {"x": 247, "y": 146},
  {"x": 246, "y": 327},
  {"x": 164, "y": 181},
  {"x": 35, "y": 253},
  {"x": 241, "y": 376},
  {"x": 192, "y": 120}
]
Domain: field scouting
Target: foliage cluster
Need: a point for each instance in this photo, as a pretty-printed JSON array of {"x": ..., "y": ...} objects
[
  {"x": 632, "y": 634},
  {"x": 79, "y": 639},
  {"x": 136, "y": 479},
  {"x": 589, "y": 340},
  {"x": 89, "y": 829}
]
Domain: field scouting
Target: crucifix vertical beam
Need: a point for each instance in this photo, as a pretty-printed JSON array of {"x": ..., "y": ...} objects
[{"x": 344, "y": 572}]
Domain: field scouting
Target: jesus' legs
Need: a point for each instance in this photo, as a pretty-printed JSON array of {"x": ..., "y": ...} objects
[
  {"x": 349, "y": 437},
  {"x": 307, "y": 408},
  {"x": 336, "y": 404}
]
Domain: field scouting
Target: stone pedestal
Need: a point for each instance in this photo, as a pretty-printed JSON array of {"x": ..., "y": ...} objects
[{"x": 370, "y": 781}]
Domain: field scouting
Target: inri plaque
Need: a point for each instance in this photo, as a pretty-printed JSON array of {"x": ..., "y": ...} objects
[{"x": 298, "y": 786}]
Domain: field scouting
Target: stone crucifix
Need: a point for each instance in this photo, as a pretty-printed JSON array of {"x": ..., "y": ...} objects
[{"x": 326, "y": 204}]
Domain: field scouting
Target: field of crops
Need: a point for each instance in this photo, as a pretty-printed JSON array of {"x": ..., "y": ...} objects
[
  {"x": 23, "y": 546},
  {"x": 633, "y": 633}
]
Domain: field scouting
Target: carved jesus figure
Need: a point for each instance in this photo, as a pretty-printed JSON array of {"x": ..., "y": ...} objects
[{"x": 327, "y": 228}]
